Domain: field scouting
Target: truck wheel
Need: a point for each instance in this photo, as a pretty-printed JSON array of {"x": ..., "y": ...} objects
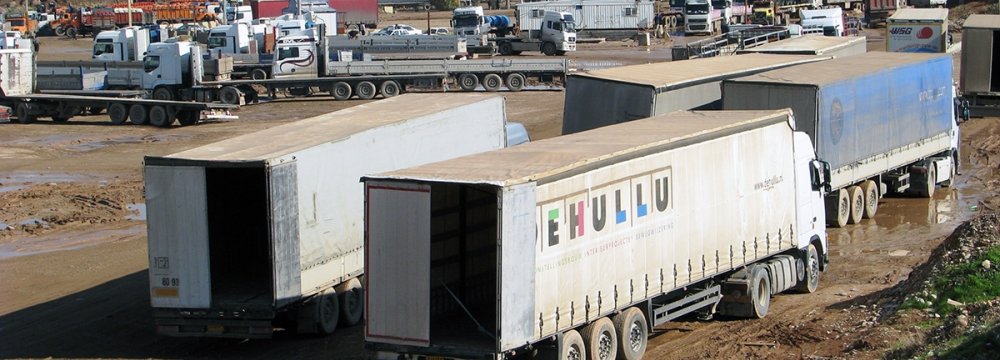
[
  {"x": 506, "y": 49},
  {"x": 71, "y": 33},
  {"x": 229, "y": 95},
  {"x": 492, "y": 82},
  {"x": 365, "y": 90},
  {"x": 760, "y": 292},
  {"x": 630, "y": 326},
  {"x": 601, "y": 340},
  {"x": 163, "y": 93},
  {"x": 258, "y": 74},
  {"x": 118, "y": 113},
  {"x": 160, "y": 117},
  {"x": 572, "y": 347},
  {"x": 468, "y": 82},
  {"x": 549, "y": 49},
  {"x": 139, "y": 114},
  {"x": 515, "y": 82},
  {"x": 389, "y": 89},
  {"x": 319, "y": 314},
  {"x": 857, "y": 204},
  {"x": 810, "y": 281},
  {"x": 351, "y": 302},
  {"x": 341, "y": 90},
  {"x": 24, "y": 115},
  {"x": 838, "y": 207},
  {"x": 925, "y": 189},
  {"x": 870, "y": 189},
  {"x": 60, "y": 31},
  {"x": 187, "y": 117}
]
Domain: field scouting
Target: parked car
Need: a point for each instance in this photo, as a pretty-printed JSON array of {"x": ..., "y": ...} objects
[
  {"x": 440, "y": 31},
  {"x": 399, "y": 29}
]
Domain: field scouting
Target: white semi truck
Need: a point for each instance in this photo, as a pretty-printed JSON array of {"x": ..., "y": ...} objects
[
  {"x": 495, "y": 34},
  {"x": 266, "y": 229},
  {"x": 125, "y": 44},
  {"x": 580, "y": 244},
  {"x": 884, "y": 121}
]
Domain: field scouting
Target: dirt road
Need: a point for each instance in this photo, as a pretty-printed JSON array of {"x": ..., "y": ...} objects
[{"x": 73, "y": 250}]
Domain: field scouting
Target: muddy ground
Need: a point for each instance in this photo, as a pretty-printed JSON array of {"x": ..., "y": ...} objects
[{"x": 73, "y": 249}]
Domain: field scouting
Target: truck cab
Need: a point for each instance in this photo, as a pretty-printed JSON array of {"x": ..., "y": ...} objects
[
  {"x": 468, "y": 22},
  {"x": 171, "y": 63},
  {"x": 830, "y": 21},
  {"x": 239, "y": 14},
  {"x": 555, "y": 36},
  {"x": 230, "y": 39},
  {"x": 297, "y": 55},
  {"x": 707, "y": 16},
  {"x": 126, "y": 44}
]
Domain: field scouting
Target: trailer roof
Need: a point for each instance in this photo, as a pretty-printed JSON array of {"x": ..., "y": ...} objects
[
  {"x": 835, "y": 70},
  {"x": 332, "y": 127},
  {"x": 983, "y": 21},
  {"x": 668, "y": 75},
  {"x": 567, "y": 154},
  {"x": 808, "y": 44},
  {"x": 905, "y": 14}
]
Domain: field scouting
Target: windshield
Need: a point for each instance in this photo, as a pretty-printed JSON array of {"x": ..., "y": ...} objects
[
  {"x": 570, "y": 26},
  {"x": 17, "y": 22},
  {"x": 104, "y": 48},
  {"x": 719, "y": 4},
  {"x": 466, "y": 21},
  {"x": 150, "y": 63},
  {"x": 677, "y": 3},
  {"x": 216, "y": 42},
  {"x": 288, "y": 53},
  {"x": 697, "y": 9}
]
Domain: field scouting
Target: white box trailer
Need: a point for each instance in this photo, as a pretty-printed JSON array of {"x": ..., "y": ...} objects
[
  {"x": 918, "y": 30},
  {"x": 610, "y": 96},
  {"x": 837, "y": 46},
  {"x": 17, "y": 70},
  {"x": 261, "y": 228},
  {"x": 614, "y": 19},
  {"x": 496, "y": 254},
  {"x": 980, "y": 68}
]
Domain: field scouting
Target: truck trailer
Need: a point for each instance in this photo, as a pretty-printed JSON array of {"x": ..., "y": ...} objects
[
  {"x": 610, "y": 96},
  {"x": 266, "y": 229},
  {"x": 980, "y": 70},
  {"x": 554, "y": 33},
  {"x": 580, "y": 244},
  {"x": 884, "y": 121},
  {"x": 813, "y": 45},
  {"x": 918, "y": 30}
]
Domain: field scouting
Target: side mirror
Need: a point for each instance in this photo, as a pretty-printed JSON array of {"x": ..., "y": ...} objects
[{"x": 819, "y": 172}]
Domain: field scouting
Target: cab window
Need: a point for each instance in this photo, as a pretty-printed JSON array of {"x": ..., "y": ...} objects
[
  {"x": 288, "y": 53},
  {"x": 150, "y": 63}
]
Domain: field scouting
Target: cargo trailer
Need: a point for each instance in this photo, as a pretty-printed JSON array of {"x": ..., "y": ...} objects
[
  {"x": 610, "y": 96},
  {"x": 611, "y": 19},
  {"x": 980, "y": 70},
  {"x": 918, "y": 30},
  {"x": 884, "y": 122},
  {"x": 585, "y": 242},
  {"x": 836, "y": 46},
  {"x": 266, "y": 230}
]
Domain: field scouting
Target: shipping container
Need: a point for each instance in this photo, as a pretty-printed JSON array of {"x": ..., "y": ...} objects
[
  {"x": 918, "y": 30},
  {"x": 883, "y": 121},
  {"x": 610, "y": 96},
  {"x": 507, "y": 252},
  {"x": 980, "y": 70},
  {"x": 267, "y": 9},
  {"x": 814, "y": 45},
  {"x": 594, "y": 18},
  {"x": 17, "y": 70},
  {"x": 267, "y": 228}
]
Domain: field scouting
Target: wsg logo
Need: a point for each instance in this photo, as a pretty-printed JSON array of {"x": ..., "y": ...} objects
[{"x": 901, "y": 31}]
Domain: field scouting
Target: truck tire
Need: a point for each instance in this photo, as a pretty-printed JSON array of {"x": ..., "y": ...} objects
[
  {"x": 163, "y": 93},
  {"x": 230, "y": 95},
  {"x": 366, "y": 90},
  {"x": 258, "y": 74},
  {"x": 352, "y": 302},
  {"x": 857, "y": 196},
  {"x": 924, "y": 186},
  {"x": 118, "y": 113},
  {"x": 630, "y": 326},
  {"x": 506, "y": 49},
  {"x": 23, "y": 113},
  {"x": 71, "y": 32},
  {"x": 60, "y": 31},
  {"x": 187, "y": 117},
  {"x": 389, "y": 89},
  {"x": 838, "y": 207},
  {"x": 341, "y": 90},
  {"x": 572, "y": 346},
  {"x": 870, "y": 189},
  {"x": 549, "y": 49},
  {"x": 760, "y": 292},
  {"x": 600, "y": 340},
  {"x": 954, "y": 173},
  {"x": 138, "y": 114},
  {"x": 492, "y": 82},
  {"x": 810, "y": 279},
  {"x": 468, "y": 82},
  {"x": 515, "y": 82},
  {"x": 160, "y": 117},
  {"x": 319, "y": 314}
]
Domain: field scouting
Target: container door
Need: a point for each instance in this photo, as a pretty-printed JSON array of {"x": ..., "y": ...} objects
[
  {"x": 977, "y": 58},
  {"x": 397, "y": 262},
  {"x": 177, "y": 222},
  {"x": 284, "y": 228},
  {"x": 517, "y": 266}
]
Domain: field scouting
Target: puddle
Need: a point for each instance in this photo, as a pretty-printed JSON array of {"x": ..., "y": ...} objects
[
  {"x": 72, "y": 241},
  {"x": 3, "y": 225},
  {"x": 136, "y": 212},
  {"x": 33, "y": 222},
  {"x": 9, "y": 188},
  {"x": 84, "y": 146},
  {"x": 18, "y": 180}
]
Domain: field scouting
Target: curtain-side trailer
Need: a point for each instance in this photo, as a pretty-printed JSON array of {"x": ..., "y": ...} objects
[
  {"x": 265, "y": 230},
  {"x": 580, "y": 244},
  {"x": 884, "y": 121}
]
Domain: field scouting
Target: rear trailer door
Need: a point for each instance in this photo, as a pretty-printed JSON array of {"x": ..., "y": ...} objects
[
  {"x": 284, "y": 228},
  {"x": 397, "y": 263},
  {"x": 178, "y": 237},
  {"x": 517, "y": 264}
]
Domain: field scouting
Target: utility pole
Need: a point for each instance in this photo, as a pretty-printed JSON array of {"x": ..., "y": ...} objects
[{"x": 129, "y": 13}]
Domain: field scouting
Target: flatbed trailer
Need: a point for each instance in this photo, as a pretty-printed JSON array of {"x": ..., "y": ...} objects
[{"x": 62, "y": 107}]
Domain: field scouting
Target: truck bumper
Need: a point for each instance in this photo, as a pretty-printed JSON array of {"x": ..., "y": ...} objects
[{"x": 203, "y": 323}]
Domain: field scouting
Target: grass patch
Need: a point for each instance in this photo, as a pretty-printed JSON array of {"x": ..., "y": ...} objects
[
  {"x": 972, "y": 346},
  {"x": 966, "y": 283}
]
